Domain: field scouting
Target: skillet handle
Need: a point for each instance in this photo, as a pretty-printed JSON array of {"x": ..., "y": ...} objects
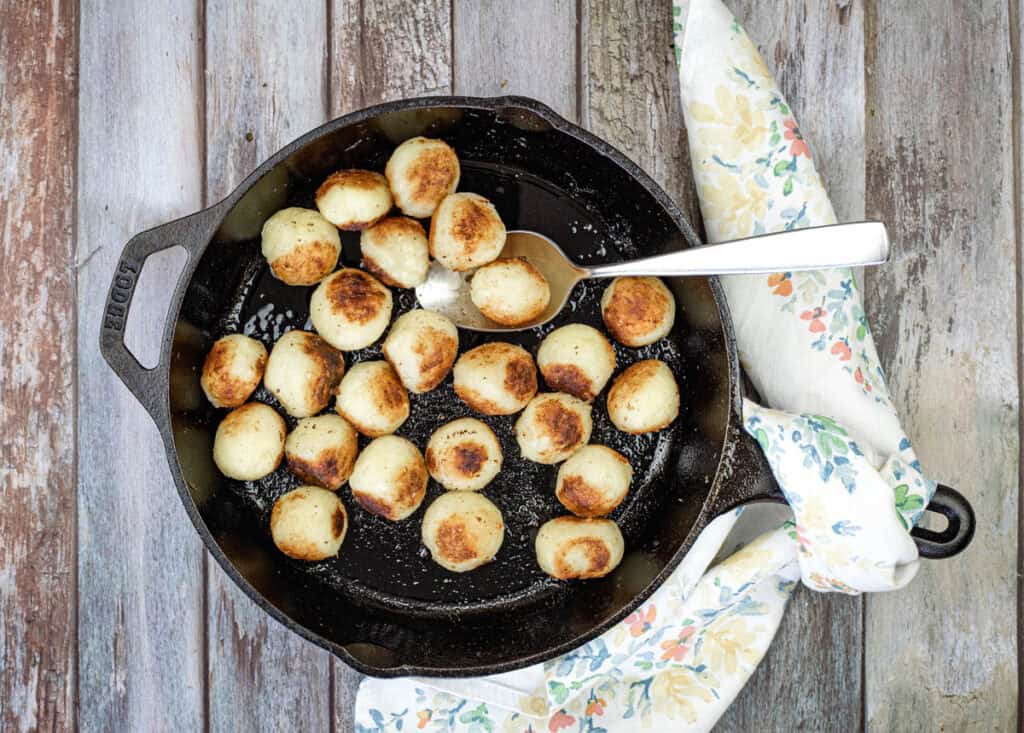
[
  {"x": 192, "y": 233},
  {"x": 758, "y": 484}
]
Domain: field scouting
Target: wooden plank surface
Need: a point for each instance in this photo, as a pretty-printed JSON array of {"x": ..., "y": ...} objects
[
  {"x": 140, "y": 563},
  {"x": 811, "y": 678},
  {"x": 418, "y": 36},
  {"x": 144, "y": 641},
  {"x": 38, "y": 55},
  {"x": 527, "y": 47},
  {"x": 942, "y": 654},
  {"x": 266, "y": 64}
]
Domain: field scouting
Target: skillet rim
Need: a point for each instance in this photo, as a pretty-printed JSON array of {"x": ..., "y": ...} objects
[{"x": 214, "y": 216}]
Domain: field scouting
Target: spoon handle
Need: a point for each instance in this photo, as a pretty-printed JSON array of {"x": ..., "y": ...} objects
[{"x": 812, "y": 248}]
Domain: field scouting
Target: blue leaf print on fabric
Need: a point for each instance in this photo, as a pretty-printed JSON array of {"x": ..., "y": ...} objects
[{"x": 845, "y": 528}]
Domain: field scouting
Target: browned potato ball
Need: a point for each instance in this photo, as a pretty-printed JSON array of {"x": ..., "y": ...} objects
[
  {"x": 496, "y": 378},
  {"x": 233, "y": 370},
  {"x": 593, "y": 481},
  {"x": 309, "y": 523},
  {"x": 466, "y": 232},
  {"x": 570, "y": 548},
  {"x": 302, "y": 372},
  {"x": 553, "y": 427},
  {"x": 354, "y": 199},
  {"x": 395, "y": 250},
  {"x": 644, "y": 398},
  {"x": 322, "y": 450},
  {"x": 421, "y": 172},
  {"x": 638, "y": 310}
]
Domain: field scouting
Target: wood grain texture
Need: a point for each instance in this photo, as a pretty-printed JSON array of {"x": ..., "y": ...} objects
[
  {"x": 384, "y": 50},
  {"x": 630, "y": 91},
  {"x": 942, "y": 653},
  {"x": 266, "y": 64},
  {"x": 527, "y": 47},
  {"x": 811, "y": 678},
  {"x": 38, "y": 54},
  {"x": 417, "y": 35},
  {"x": 140, "y": 563}
]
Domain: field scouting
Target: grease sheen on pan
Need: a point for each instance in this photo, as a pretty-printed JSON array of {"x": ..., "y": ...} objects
[
  {"x": 571, "y": 548},
  {"x": 421, "y": 172},
  {"x": 389, "y": 478},
  {"x": 510, "y": 291},
  {"x": 593, "y": 481},
  {"x": 421, "y": 347},
  {"x": 249, "y": 442},
  {"x": 309, "y": 523},
  {"x": 464, "y": 455},
  {"x": 372, "y": 398},
  {"x": 233, "y": 369},
  {"x": 300, "y": 246},
  {"x": 354, "y": 199},
  {"x": 322, "y": 450},
  {"x": 553, "y": 427},
  {"x": 576, "y": 359},
  {"x": 350, "y": 309},
  {"x": 466, "y": 232},
  {"x": 395, "y": 250},
  {"x": 496, "y": 378},
  {"x": 638, "y": 310},
  {"x": 463, "y": 530},
  {"x": 644, "y": 398},
  {"x": 302, "y": 372}
]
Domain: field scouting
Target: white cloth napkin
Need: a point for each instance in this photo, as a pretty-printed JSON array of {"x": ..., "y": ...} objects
[{"x": 851, "y": 478}]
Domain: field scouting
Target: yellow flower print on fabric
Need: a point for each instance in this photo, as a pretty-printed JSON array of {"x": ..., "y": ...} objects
[
  {"x": 729, "y": 641},
  {"x": 733, "y": 126},
  {"x": 676, "y": 692},
  {"x": 732, "y": 204}
]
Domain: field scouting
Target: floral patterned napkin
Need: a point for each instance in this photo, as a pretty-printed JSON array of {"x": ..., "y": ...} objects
[{"x": 834, "y": 443}]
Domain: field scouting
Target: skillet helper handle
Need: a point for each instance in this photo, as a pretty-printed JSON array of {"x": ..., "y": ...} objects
[
  {"x": 951, "y": 504},
  {"x": 752, "y": 481},
  {"x": 190, "y": 232}
]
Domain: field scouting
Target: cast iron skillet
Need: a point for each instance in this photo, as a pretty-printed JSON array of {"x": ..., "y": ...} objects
[{"x": 382, "y": 606}]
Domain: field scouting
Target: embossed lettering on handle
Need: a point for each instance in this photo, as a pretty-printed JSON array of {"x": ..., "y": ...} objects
[{"x": 120, "y": 295}]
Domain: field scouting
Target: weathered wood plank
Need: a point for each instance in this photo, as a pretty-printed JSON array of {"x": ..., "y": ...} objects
[
  {"x": 630, "y": 92},
  {"x": 942, "y": 653},
  {"x": 418, "y": 36},
  {"x": 811, "y": 677},
  {"x": 266, "y": 65},
  {"x": 140, "y": 564},
  {"x": 38, "y": 56},
  {"x": 388, "y": 50},
  {"x": 527, "y": 47}
]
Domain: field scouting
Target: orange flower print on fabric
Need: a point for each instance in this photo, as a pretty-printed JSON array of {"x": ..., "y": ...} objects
[
  {"x": 814, "y": 316},
  {"x": 596, "y": 707},
  {"x": 560, "y": 720},
  {"x": 424, "y": 718},
  {"x": 858, "y": 375},
  {"x": 640, "y": 621},
  {"x": 842, "y": 350},
  {"x": 676, "y": 649},
  {"x": 781, "y": 284},
  {"x": 798, "y": 145}
]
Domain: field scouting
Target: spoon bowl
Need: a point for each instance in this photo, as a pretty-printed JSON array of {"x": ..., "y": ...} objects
[{"x": 812, "y": 248}]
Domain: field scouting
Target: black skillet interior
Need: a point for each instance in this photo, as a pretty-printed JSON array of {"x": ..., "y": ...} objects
[{"x": 382, "y": 604}]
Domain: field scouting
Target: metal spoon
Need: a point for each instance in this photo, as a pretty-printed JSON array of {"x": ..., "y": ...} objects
[{"x": 814, "y": 248}]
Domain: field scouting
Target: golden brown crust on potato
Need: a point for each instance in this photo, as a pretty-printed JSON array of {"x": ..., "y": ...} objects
[
  {"x": 568, "y": 378},
  {"x": 636, "y": 307},
  {"x": 593, "y": 550},
  {"x": 356, "y": 295},
  {"x": 307, "y": 264},
  {"x": 218, "y": 381},
  {"x": 564, "y": 427}
]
